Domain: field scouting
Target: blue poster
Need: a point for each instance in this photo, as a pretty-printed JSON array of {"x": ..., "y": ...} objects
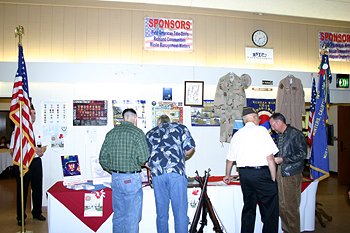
[{"x": 70, "y": 165}]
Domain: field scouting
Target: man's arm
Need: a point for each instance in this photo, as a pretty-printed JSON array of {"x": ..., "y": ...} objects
[
  {"x": 189, "y": 153},
  {"x": 229, "y": 165},
  {"x": 272, "y": 166}
]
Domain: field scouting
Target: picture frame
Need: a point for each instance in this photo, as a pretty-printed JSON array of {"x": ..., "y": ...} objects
[{"x": 194, "y": 93}]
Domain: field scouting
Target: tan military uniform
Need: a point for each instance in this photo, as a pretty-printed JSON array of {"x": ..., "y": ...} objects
[
  {"x": 290, "y": 100},
  {"x": 229, "y": 102}
]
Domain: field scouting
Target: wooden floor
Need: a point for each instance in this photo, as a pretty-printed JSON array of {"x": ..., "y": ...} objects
[{"x": 331, "y": 195}]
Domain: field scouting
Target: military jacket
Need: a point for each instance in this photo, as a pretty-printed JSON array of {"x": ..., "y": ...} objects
[{"x": 229, "y": 101}]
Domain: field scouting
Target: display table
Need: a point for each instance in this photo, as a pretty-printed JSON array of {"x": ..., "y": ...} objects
[
  {"x": 5, "y": 159},
  {"x": 226, "y": 199}
]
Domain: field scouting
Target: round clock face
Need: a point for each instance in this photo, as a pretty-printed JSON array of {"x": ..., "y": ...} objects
[{"x": 259, "y": 38}]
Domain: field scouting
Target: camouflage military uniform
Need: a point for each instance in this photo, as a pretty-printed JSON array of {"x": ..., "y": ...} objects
[{"x": 229, "y": 102}]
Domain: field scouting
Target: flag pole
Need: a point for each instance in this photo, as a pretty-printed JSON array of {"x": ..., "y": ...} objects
[{"x": 19, "y": 32}]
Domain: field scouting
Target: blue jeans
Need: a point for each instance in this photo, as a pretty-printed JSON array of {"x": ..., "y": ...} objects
[
  {"x": 127, "y": 202},
  {"x": 171, "y": 187}
]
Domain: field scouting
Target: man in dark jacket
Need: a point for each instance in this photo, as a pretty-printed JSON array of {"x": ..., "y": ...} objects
[{"x": 292, "y": 147}]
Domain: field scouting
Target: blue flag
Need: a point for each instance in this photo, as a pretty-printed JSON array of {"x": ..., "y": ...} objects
[{"x": 319, "y": 161}]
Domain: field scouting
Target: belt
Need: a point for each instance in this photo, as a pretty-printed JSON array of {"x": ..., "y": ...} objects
[
  {"x": 116, "y": 171},
  {"x": 254, "y": 167}
]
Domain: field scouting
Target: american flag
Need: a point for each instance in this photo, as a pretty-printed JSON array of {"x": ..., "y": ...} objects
[
  {"x": 312, "y": 112},
  {"x": 22, "y": 119}
]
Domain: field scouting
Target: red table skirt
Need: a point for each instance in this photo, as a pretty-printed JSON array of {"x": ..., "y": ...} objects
[{"x": 74, "y": 201}]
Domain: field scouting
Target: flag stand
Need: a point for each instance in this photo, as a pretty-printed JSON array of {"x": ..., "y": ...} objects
[{"x": 19, "y": 32}]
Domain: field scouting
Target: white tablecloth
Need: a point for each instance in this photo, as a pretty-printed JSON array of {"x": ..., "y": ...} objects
[
  {"x": 227, "y": 201},
  {"x": 5, "y": 160}
]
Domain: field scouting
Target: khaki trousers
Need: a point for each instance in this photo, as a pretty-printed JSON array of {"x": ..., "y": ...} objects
[{"x": 289, "y": 194}]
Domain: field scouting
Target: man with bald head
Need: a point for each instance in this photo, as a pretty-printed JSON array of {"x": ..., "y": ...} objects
[{"x": 252, "y": 149}]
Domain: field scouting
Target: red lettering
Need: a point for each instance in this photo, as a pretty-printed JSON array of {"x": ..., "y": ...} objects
[
  {"x": 156, "y": 22},
  {"x": 344, "y": 38},
  {"x": 166, "y": 24},
  {"x": 183, "y": 24},
  {"x": 170, "y": 23},
  {"x": 188, "y": 25},
  {"x": 338, "y": 37},
  {"x": 177, "y": 24},
  {"x": 326, "y": 36},
  {"x": 322, "y": 36},
  {"x": 150, "y": 23}
]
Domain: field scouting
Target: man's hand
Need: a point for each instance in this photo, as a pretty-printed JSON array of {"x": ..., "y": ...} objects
[
  {"x": 278, "y": 160},
  {"x": 40, "y": 150},
  {"x": 227, "y": 179}
]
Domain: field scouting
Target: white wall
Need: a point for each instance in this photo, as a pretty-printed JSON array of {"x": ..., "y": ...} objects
[{"x": 65, "y": 82}]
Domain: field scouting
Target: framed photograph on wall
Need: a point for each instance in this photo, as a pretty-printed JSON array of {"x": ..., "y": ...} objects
[{"x": 194, "y": 93}]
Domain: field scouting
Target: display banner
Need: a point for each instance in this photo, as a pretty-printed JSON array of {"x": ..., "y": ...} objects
[
  {"x": 338, "y": 44},
  {"x": 264, "y": 107},
  {"x": 168, "y": 34},
  {"x": 259, "y": 55}
]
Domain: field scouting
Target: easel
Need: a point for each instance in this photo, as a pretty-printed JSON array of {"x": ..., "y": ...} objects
[{"x": 204, "y": 207}]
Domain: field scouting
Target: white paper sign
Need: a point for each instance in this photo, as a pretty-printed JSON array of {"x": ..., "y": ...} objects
[{"x": 259, "y": 55}]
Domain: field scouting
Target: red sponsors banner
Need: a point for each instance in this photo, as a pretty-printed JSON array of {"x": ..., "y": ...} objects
[
  {"x": 338, "y": 44},
  {"x": 168, "y": 34}
]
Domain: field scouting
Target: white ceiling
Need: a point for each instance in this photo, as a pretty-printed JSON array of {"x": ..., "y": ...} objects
[{"x": 319, "y": 9}]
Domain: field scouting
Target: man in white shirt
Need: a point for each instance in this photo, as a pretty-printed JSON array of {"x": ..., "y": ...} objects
[
  {"x": 34, "y": 176},
  {"x": 253, "y": 149}
]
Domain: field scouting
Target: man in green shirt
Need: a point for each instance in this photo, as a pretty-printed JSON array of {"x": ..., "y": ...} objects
[{"x": 123, "y": 152}]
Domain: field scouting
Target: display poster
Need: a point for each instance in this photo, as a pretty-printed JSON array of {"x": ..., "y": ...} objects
[
  {"x": 338, "y": 45},
  {"x": 138, "y": 105},
  {"x": 54, "y": 122},
  {"x": 93, "y": 205},
  {"x": 167, "y": 93},
  {"x": 71, "y": 170},
  {"x": 204, "y": 116},
  {"x": 172, "y": 109},
  {"x": 264, "y": 107},
  {"x": 89, "y": 112},
  {"x": 99, "y": 176},
  {"x": 168, "y": 34},
  {"x": 70, "y": 165}
]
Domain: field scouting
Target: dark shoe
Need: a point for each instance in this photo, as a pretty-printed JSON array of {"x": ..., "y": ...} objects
[
  {"x": 40, "y": 217},
  {"x": 19, "y": 222}
]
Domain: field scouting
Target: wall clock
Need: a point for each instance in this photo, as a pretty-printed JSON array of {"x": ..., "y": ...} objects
[{"x": 259, "y": 38}]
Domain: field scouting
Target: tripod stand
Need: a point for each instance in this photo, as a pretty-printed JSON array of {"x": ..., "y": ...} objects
[{"x": 204, "y": 207}]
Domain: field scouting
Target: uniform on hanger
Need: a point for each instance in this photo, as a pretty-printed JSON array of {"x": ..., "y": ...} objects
[{"x": 229, "y": 101}]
